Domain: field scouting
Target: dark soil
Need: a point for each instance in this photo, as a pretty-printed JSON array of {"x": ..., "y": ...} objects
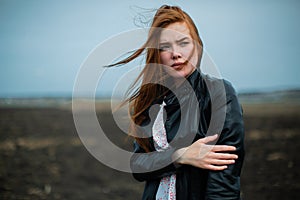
[{"x": 41, "y": 157}]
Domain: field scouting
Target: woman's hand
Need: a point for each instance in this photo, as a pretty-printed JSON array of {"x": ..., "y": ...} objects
[{"x": 212, "y": 157}]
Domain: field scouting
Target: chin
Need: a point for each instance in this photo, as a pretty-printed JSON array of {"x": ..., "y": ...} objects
[
  {"x": 182, "y": 73},
  {"x": 177, "y": 74}
]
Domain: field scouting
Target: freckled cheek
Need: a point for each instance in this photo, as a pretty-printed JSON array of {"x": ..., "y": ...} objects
[
  {"x": 186, "y": 53},
  {"x": 165, "y": 58}
]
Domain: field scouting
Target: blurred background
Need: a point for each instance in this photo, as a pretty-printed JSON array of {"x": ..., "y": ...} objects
[{"x": 254, "y": 44}]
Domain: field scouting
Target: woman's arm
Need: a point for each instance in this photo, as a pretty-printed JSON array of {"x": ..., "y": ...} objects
[
  {"x": 201, "y": 155},
  {"x": 223, "y": 160},
  {"x": 151, "y": 165},
  {"x": 225, "y": 184},
  {"x": 198, "y": 154}
]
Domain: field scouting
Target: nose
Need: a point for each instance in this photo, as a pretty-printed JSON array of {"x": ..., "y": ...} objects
[{"x": 175, "y": 55}]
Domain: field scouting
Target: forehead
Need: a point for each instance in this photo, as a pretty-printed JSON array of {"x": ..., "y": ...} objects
[{"x": 175, "y": 31}]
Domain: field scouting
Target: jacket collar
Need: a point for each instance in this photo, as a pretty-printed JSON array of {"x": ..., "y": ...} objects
[
  {"x": 193, "y": 78},
  {"x": 196, "y": 82}
]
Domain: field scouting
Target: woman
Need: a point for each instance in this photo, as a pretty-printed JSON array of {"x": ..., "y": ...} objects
[{"x": 175, "y": 157}]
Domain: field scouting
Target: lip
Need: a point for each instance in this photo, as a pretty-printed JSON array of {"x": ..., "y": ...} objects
[{"x": 177, "y": 64}]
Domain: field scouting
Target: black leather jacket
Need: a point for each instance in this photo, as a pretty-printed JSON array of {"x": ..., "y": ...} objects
[{"x": 191, "y": 182}]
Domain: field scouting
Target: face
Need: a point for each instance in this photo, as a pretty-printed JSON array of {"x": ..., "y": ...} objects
[{"x": 176, "y": 50}]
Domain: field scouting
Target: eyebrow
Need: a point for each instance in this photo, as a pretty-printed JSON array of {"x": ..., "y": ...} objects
[{"x": 180, "y": 40}]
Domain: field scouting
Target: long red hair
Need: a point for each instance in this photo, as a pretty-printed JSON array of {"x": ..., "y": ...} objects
[{"x": 142, "y": 97}]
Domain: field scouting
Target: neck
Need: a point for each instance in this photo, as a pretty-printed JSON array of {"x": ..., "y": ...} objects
[{"x": 179, "y": 81}]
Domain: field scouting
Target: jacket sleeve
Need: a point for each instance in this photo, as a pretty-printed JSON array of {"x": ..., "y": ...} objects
[
  {"x": 151, "y": 165},
  {"x": 225, "y": 184}
]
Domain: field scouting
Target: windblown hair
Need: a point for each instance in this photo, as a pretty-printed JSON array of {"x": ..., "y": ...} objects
[{"x": 153, "y": 78}]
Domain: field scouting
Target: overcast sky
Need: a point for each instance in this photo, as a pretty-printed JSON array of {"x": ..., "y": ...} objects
[{"x": 255, "y": 44}]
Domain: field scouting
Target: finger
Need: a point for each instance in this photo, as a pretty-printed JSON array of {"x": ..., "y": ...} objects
[
  {"x": 221, "y": 162},
  {"x": 223, "y": 148},
  {"x": 216, "y": 168},
  {"x": 208, "y": 139},
  {"x": 223, "y": 156}
]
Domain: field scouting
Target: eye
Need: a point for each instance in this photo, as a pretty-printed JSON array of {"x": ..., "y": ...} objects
[
  {"x": 184, "y": 43},
  {"x": 164, "y": 47}
]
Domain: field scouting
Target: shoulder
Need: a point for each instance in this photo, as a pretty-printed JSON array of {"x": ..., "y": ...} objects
[{"x": 219, "y": 86}]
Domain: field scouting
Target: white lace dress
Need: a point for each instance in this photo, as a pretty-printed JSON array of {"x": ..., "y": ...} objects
[{"x": 167, "y": 186}]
